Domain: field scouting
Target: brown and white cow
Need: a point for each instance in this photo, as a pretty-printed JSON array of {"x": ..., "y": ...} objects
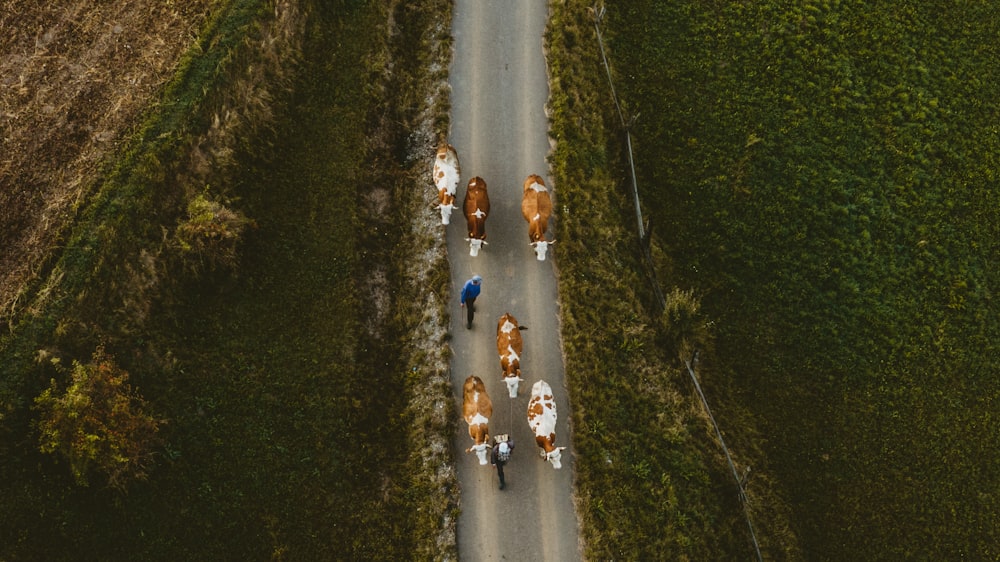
[
  {"x": 446, "y": 173},
  {"x": 477, "y": 208},
  {"x": 477, "y": 410},
  {"x": 509, "y": 346},
  {"x": 542, "y": 419},
  {"x": 536, "y": 206}
]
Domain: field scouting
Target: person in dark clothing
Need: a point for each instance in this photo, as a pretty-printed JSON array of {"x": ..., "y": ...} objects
[
  {"x": 470, "y": 291},
  {"x": 501, "y": 454}
]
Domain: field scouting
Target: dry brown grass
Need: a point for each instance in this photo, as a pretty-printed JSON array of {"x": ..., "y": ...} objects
[{"x": 75, "y": 77}]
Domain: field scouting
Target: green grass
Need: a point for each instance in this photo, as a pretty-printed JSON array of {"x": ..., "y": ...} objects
[
  {"x": 272, "y": 377},
  {"x": 268, "y": 388},
  {"x": 92, "y": 295},
  {"x": 825, "y": 174},
  {"x": 296, "y": 412},
  {"x": 651, "y": 481}
]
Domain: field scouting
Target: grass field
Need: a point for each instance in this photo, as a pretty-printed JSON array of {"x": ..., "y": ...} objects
[
  {"x": 821, "y": 176},
  {"x": 277, "y": 437},
  {"x": 825, "y": 175},
  {"x": 267, "y": 394},
  {"x": 652, "y": 481},
  {"x": 78, "y": 77}
]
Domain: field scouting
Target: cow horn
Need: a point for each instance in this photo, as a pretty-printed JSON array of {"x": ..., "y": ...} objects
[{"x": 534, "y": 244}]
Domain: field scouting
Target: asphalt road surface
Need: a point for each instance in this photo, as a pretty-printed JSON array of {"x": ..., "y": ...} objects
[{"x": 500, "y": 131}]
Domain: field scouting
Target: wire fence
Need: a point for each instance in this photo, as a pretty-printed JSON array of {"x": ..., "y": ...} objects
[
  {"x": 644, "y": 242},
  {"x": 627, "y": 125},
  {"x": 729, "y": 458}
]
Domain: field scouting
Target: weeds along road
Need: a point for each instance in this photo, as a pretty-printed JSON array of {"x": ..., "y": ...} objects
[{"x": 499, "y": 128}]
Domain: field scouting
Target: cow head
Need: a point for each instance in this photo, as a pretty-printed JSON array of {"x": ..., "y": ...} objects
[
  {"x": 510, "y": 364},
  {"x": 541, "y": 248},
  {"x": 480, "y": 434},
  {"x": 446, "y": 206},
  {"x": 554, "y": 456},
  {"x": 481, "y": 450},
  {"x": 511, "y": 383},
  {"x": 475, "y": 244}
]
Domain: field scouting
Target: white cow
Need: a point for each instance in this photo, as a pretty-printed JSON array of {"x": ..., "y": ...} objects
[
  {"x": 446, "y": 173},
  {"x": 542, "y": 419}
]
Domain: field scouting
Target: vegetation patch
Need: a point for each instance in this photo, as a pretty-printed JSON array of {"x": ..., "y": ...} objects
[
  {"x": 77, "y": 78},
  {"x": 239, "y": 264},
  {"x": 209, "y": 235},
  {"x": 98, "y": 424},
  {"x": 652, "y": 481},
  {"x": 421, "y": 52},
  {"x": 824, "y": 174}
]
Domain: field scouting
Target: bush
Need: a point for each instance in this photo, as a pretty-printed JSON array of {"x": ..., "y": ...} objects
[
  {"x": 683, "y": 327},
  {"x": 98, "y": 423},
  {"x": 210, "y": 234}
]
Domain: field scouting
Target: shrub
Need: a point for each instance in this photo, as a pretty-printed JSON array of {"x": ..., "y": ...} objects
[
  {"x": 99, "y": 423},
  {"x": 683, "y": 327},
  {"x": 210, "y": 234}
]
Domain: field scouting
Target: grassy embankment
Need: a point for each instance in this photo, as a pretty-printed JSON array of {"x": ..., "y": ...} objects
[
  {"x": 280, "y": 440},
  {"x": 652, "y": 481},
  {"x": 825, "y": 175}
]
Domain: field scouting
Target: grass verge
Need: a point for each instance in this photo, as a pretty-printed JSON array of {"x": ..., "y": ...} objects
[
  {"x": 652, "y": 481},
  {"x": 824, "y": 174}
]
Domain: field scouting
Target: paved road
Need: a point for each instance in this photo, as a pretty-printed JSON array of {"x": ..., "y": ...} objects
[{"x": 499, "y": 128}]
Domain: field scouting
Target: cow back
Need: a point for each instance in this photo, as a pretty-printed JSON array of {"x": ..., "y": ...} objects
[
  {"x": 475, "y": 400},
  {"x": 503, "y": 343},
  {"x": 477, "y": 207},
  {"x": 511, "y": 338},
  {"x": 542, "y": 411},
  {"x": 515, "y": 340},
  {"x": 509, "y": 347},
  {"x": 446, "y": 171},
  {"x": 529, "y": 205},
  {"x": 544, "y": 207},
  {"x": 536, "y": 207}
]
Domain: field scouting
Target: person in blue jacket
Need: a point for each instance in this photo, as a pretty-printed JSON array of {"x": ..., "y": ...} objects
[{"x": 470, "y": 291}]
